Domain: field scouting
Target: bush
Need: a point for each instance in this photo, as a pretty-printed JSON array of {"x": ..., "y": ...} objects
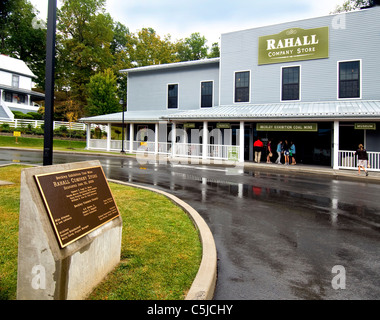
[
  {"x": 5, "y": 127},
  {"x": 19, "y": 114},
  {"x": 35, "y": 115}
]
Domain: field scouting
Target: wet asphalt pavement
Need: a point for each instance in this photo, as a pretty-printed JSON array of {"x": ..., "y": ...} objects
[{"x": 278, "y": 236}]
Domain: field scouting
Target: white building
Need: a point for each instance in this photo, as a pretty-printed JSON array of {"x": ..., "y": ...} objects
[{"x": 16, "y": 82}]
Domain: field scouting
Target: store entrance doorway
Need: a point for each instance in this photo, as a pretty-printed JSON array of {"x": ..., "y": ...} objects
[{"x": 311, "y": 147}]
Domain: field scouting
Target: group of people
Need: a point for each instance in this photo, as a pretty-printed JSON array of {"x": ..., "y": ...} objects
[
  {"x": 283, "y": 148},
  {"x": 288, "y": 150}
]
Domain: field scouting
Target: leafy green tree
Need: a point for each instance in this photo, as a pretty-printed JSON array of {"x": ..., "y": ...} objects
[
  {"x": 85, "y": 34},
  {"x": 23, "y": 36},
  {"x": 350, "y": 5},
  {"x": 102, "y": 97},
  {"x": 215, "y": 51},
  {"x": 149, "y": 49},
  {"x": 193, "y": 48}
]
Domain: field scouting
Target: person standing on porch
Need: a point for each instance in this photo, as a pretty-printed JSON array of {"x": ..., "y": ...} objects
[
  {"x": 279, "y": 151},
  {"x": 269, "y": 151},
  {"x": 258, "y": 147},
  {"x": 286, "y": 152},
  {"x": 292, "y": 152},
  {"x": 362, "y": 159}
]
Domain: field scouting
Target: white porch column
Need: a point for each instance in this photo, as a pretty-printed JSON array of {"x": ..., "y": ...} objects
[
  {"x": 241, "y": 142},
  {"x": 156, "y": 138},
  {"x": 88, "y": 135},
  {"x": 205, "y": 140},
  {"x": 336, "y": 146},
  {"x": 109, "y": 137},
  {"x": 174, "y": 138},
  {"x": 131, "y": 136}
]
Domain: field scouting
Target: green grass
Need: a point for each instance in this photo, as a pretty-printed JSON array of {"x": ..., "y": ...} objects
[
  {"x": 38, "y": 143},
  {"x": 160, "y": 254}
]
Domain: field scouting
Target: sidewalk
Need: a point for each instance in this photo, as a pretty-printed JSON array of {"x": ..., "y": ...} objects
[{"x": 343, "y": 174}]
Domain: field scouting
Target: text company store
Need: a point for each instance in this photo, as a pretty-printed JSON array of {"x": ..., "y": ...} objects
[{"x": 314, "y": 82}]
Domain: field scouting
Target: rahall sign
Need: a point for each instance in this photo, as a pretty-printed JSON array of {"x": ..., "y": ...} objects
[{"x": 294, "y": 44}]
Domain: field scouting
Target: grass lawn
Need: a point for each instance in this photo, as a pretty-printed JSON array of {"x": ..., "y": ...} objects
[
  {"x": 38, "y": 143},
  {"x": 161, "y": 250}
]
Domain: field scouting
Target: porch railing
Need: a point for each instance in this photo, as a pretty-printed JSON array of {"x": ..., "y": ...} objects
[
  {"x": 348, "y": 160},
  {"x": 192, "y": 150}
]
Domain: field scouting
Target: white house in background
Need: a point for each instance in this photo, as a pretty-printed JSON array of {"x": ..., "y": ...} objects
[{"x": 16, "y": 82}]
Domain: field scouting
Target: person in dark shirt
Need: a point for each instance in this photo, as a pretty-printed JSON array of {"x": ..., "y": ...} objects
[{"x": 362, "y": 159}]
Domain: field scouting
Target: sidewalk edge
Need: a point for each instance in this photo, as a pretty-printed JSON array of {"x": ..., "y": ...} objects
[{"x": 203, "y": 286}]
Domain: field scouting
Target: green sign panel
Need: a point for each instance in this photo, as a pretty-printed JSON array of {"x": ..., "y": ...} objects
[
  {"x": 365, "y": 126},
  {"x": 189, "y": 125},
  {"x": 294, "y": 44},
  {"x": 300, "y": 127},
  {"x": 233, "y": 153},
  {"x": 223, "y": 125}
]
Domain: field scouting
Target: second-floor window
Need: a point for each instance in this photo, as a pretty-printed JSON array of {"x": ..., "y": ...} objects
[
  {"x": 349, "y": 79},
  {"x": 15, "y": 81},
  {"x": 290, "y": 83},
  {"x": 172, "y": 96},
  {"x": 206, "y": 94},
  {"x": 242, "y": 86}
]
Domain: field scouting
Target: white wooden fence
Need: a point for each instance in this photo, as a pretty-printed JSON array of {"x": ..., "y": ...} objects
[
  {"x": 23, "y": 123},
  {"x": 348, "y": 160}
]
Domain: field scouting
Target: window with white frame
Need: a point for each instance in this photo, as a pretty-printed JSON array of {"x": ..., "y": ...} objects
[
  {"x": 172, "y": 96},
  {"x": 349, "y": 79},
  {"x": 290, "y": 88},
  {"x": 242, "y": 86},
  {"x": 15, "y": 81},
  {"x": 206, "y": 94}
]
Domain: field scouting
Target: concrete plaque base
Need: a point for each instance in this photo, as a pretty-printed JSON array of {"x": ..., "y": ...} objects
[{"x": 45, "y": 270}]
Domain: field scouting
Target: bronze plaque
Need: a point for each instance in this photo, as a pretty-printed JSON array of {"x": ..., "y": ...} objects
[{"x": 78, "y": 202}]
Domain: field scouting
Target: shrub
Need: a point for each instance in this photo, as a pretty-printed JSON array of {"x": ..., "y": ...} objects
[{"x": 5, "y": 127}]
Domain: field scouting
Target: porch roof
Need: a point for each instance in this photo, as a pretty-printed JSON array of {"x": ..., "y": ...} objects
[
  {"x": 342, "y": 110},
  {"x": 130, "y": 116},
  {"x": 290, "y": 111}
]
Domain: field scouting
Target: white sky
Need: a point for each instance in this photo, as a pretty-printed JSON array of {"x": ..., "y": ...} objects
[{"x": 210, "y": 18}]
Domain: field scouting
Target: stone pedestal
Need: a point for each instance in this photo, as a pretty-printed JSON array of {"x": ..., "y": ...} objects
[{"x": 45, "y": 270}]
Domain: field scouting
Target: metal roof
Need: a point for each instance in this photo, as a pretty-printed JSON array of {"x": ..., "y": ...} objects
[
  {"x": 264, "y": 112},
  {"x": 280, "y": 111},
  {"x": 172, "y": 65},
  {"x": 131, "y": 116}
]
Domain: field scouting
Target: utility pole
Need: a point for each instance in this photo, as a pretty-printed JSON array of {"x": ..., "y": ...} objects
[{"x": 49, "y": 83}]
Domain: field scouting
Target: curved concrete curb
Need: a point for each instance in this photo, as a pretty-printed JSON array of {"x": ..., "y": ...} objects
[{"x": 203, "y": 286}]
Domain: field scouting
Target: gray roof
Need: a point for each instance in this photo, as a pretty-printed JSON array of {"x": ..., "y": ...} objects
[
  {"x": 131, "y": 116},
  {"x": 172, "y": 65},
  {"x": 342, "y": 110},
  {"x": 25, "y": 91},
  {"x": 280, "y": 111}
]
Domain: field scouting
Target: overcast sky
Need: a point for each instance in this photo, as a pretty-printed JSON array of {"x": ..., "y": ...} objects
[{"x": 210, "y": 18}]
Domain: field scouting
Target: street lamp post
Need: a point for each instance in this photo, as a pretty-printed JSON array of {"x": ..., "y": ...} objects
[
  {"x": 49, "y": 83},
  {"x": 122, "y": 128}
]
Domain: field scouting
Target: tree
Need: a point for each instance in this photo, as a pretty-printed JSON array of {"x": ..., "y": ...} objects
[
  {"x": 215, "y": 51},
  {"x": 149, "y": 49},
  {"x": 193, "y": 48},
  {"x": 102, "y": 91},
  {"x": 85, "y": 34},
  {"x": 350, "y": 5},
  {"x": 22, "y": 37}
]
